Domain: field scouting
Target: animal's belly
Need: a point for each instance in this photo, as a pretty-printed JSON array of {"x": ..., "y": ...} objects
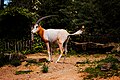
[{"x": 52, "y": 39}]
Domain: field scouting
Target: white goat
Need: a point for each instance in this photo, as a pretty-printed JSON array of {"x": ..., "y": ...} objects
[{"x": 49, "y": 36}]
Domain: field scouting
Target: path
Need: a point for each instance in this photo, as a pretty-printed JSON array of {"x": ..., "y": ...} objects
[{"x": 57, "y": 71}]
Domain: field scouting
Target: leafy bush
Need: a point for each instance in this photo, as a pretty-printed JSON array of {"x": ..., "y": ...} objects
[
  {"x": 3, "y": 59},
  {"x": 19, "y": 22},
  {"x": 14, "y": 60},
  {"x": 38, "y": 44},
  {"x": 96, "y": 72},
  {"x": 110, "y": 59},
  {"x": 93, "y": 72},
  {"x": 45, "y": 68},
  {"x": 27, "y": 51},
  {"x": 15, "y": 63}
]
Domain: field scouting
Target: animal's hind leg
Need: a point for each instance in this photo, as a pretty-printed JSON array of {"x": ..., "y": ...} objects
[
  {"x": 51, "y": 51},
  {"x": 65, "y": 47},
  {"x": 65, "y": 52},
  {"x": 61, "y": 51},
  {"x": 48, "y": 50}
]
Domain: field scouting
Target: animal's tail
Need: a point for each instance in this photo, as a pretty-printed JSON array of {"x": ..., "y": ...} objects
[{"x": 79, "y": 31}]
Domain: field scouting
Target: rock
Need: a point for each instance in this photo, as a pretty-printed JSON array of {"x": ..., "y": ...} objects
[
  {"x": 15, "y": 56},
  {"x": 118, "y": 58},
  {"x": 106, "y": 66},
  {"x": 92, "y": 47}
]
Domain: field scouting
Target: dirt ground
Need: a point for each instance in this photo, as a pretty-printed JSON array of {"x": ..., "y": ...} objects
[{"x": 57, "y": 71}]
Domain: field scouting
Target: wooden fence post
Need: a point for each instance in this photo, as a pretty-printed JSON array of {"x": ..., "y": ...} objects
[{"x": 16, "y": 46}]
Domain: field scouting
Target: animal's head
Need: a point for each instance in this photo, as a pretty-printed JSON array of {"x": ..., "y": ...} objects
[{"x": 35, "y": 28}]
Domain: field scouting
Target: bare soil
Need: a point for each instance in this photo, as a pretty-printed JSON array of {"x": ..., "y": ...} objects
[{"x": 66, "y": 70}]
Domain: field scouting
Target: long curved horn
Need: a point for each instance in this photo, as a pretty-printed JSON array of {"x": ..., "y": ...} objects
[{"x": 44, "y": 18}]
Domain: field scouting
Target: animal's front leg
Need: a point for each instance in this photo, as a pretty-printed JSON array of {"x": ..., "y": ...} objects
[{"x": 48, "y": 51}]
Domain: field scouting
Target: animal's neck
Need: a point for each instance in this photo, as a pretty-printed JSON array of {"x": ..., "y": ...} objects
[{"x": 41, "y": 31}]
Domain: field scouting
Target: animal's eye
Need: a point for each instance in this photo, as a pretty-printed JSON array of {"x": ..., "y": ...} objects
[{"x": 36, "y": 26}]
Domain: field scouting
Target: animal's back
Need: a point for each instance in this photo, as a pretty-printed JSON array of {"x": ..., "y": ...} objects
[{"x": 56, "y": 34}]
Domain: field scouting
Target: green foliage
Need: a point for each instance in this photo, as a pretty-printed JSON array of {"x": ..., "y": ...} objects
[
  {"x": 45, "y": 68},
  {"x": 29, "y": 62},
  {"x": 14, "y": 11},
  {"x": 19, "y": 21},
  {"x": 87, "y": 61},
  {"x": 94, "y": 72},
  {"x": 72, "y": 52},
  {"x": 31, "y": 51},
  {"x": 13, "y": 59},
  {"x": 110, "y": 59},
  {"x": 101, "y": 19},
  {"x": 3, "y": 60},
  {"x": 23, "y": 72},
  {"x": 38, "y": 45},
  {"x": 27, "y": 51},
  {"x": 22, "y": 3},
  {"x": 15, "y": 62},
  {"x": 97, "y": 72}
]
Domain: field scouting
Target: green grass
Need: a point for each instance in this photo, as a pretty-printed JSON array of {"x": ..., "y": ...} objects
[
  {"x": 87, "y": 61},
  {"x": 45, "y": 68},
  {"x": 109, "y": 59},
  {"x": 29, "y": 62},
  {"x": 15, "y": 62},
  {"x": 23, "y": 72},
  {"x": 97, "y": 72}
]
